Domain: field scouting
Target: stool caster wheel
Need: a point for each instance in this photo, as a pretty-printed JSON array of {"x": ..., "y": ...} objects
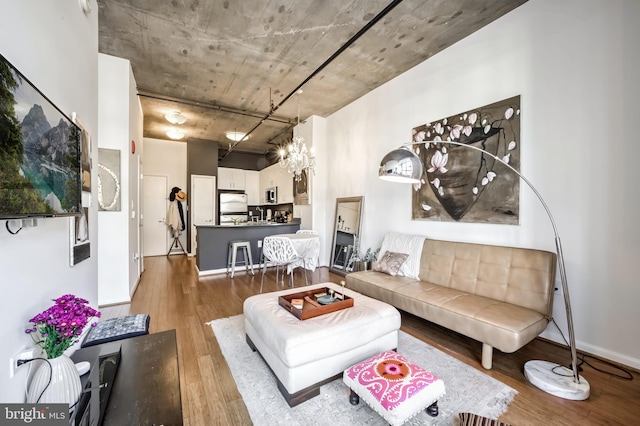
[
  {"x": 432, "y": 410},
  {"x": 354, "y": 399}
]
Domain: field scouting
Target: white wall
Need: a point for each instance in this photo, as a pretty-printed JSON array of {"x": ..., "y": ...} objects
[
  {"x": 313, "y": 131},
  {"x": 317, "y": 132},
  {"x": 575, "y": 64},
  {"x": 40, "y": 38},
  {"x": 120, "y": 121},
  {"x": 169, "y": 159},
  {"x": 136, "y": 122}
]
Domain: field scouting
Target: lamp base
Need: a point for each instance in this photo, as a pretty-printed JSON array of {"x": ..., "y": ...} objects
[{"x": 556, "y": 380}]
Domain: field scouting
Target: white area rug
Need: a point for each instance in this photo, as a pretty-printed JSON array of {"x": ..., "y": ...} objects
[{"x": 468, "y": 390}]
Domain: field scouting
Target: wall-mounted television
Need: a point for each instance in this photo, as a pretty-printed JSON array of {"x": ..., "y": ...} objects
[{"x": 40, "y": 147}]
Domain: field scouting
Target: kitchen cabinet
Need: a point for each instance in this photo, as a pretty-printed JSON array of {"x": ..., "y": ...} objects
[
  {"x": 285, "y": 187},
  {"x": 202, "y": 205},
  {"x": 276, "y": 176},
  {"x": 252, "y": 187},
  {"x": 266, "y": 181},
  {"x": 234, "y": 179}
]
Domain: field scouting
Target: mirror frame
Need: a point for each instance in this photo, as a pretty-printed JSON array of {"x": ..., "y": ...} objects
[{"x": 359, "y": 199}]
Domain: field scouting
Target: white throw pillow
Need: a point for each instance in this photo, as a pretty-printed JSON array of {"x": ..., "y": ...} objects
[{"x": 404, "y": 243}]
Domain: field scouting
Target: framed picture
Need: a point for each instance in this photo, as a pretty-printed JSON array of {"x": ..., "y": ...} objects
[
  {"x": 85, "y": 160},
  {"x": 39, "y": 152},
  {"x": 80, "y": 248},
  {"x": 108, "y": 179},
  {"x": 86, "y": 163},
  {"x": 461, "y": 184},
  {"x": 301, "y": 189}
]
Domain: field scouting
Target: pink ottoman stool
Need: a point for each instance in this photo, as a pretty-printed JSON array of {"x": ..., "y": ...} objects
[{"x": 394, "y": 387}]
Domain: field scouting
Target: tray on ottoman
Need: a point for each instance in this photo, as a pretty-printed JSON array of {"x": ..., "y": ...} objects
[{"x": 311, "y": 307}]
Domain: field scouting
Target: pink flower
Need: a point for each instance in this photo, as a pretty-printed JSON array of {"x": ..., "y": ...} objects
[
  {"x": 57, "y": 328},
  {"x": 419, "y": 137},
  {"x": 456, "y": 130},
  {"x": 438, "y": 162}
]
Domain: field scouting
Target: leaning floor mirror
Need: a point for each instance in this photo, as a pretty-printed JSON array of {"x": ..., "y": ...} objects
[{"x": 346, "y": 234}]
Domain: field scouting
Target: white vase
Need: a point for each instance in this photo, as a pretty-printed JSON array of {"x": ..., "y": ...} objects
[{"x": 64, "y": 386}]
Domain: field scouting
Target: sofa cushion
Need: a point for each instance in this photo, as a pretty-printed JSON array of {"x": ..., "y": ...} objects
[
  {"x": 523, "y": 277},
  {"x": 390, "y": 263},
  {"x": 375, "y": 284}
]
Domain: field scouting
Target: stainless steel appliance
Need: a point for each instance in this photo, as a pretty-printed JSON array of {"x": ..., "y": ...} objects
[
  {"x": 271, "y": 195},
  {"x": 233, "y": 208}
]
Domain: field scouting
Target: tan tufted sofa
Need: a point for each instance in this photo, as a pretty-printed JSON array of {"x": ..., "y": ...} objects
[{"x": 500, "y": 296}]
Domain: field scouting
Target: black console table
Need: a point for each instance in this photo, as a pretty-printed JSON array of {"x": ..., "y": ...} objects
[{"x": 146, "y": 386}]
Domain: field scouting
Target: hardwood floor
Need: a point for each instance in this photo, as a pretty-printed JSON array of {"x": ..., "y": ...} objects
[{"x": 171, "y": 292}]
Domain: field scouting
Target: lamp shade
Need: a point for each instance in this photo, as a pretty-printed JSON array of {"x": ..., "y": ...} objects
[
  {"x": 175, "y": 134},
  {"x": 401, "y": 165},
  {"x": 236, "y": 136},
  {"x": 175, "y": 117}
]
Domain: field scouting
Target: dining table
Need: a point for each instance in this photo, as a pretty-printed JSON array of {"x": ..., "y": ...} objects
[{"x": 308, "y": 248}]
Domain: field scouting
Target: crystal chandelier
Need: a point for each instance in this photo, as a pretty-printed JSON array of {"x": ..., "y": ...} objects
[{"x": 296, "y": 158}]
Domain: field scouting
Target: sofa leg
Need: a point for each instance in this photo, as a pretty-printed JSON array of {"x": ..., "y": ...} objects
[{"x": 487, "y": 356}]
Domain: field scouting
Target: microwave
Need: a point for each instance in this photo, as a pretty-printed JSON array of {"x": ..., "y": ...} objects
[{"x": 271, "y": 195}]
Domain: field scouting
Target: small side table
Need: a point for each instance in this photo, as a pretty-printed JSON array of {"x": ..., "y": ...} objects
[
  {"x": 146, "y": 389},
  {"x": 394, "y": 387}
]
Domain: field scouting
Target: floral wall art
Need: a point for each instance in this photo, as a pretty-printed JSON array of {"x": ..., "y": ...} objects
[{"x": 464, "y": 185}]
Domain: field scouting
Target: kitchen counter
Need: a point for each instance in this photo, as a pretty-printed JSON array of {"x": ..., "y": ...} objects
[
  {"x": 249, "y": 224},
  {"x": 213, "y": 242}
]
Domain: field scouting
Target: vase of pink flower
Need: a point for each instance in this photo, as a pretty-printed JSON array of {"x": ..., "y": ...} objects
[{"x": 55, "y": 330}]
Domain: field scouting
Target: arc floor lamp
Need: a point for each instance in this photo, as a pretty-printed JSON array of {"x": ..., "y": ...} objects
[{"x": 404, "y": 165}]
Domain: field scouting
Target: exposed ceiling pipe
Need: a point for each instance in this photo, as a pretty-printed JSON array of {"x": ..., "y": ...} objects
[
  {"x": 216, "y": 107},
  {"x": 344, "y": 47}
]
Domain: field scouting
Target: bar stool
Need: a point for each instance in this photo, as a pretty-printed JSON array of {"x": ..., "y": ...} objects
[{"x": 247, "y": 261}]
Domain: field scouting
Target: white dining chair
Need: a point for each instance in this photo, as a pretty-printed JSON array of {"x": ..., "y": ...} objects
[{"x": 279, "y": 251}]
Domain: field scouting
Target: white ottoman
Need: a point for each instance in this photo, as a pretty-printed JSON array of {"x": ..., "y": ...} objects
[{"x": 304, "y": 355}]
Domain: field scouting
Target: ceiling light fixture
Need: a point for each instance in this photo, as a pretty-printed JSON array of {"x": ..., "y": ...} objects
[
  {"x": 175, "y": 117},
  {"x": 297, "y": 159},
  {"x": 175, "y": 134},
  {"x": 236, "y": 136}
]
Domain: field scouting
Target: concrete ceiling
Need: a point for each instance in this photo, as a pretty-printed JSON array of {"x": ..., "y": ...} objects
[{"x": 236, "y": 65}]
